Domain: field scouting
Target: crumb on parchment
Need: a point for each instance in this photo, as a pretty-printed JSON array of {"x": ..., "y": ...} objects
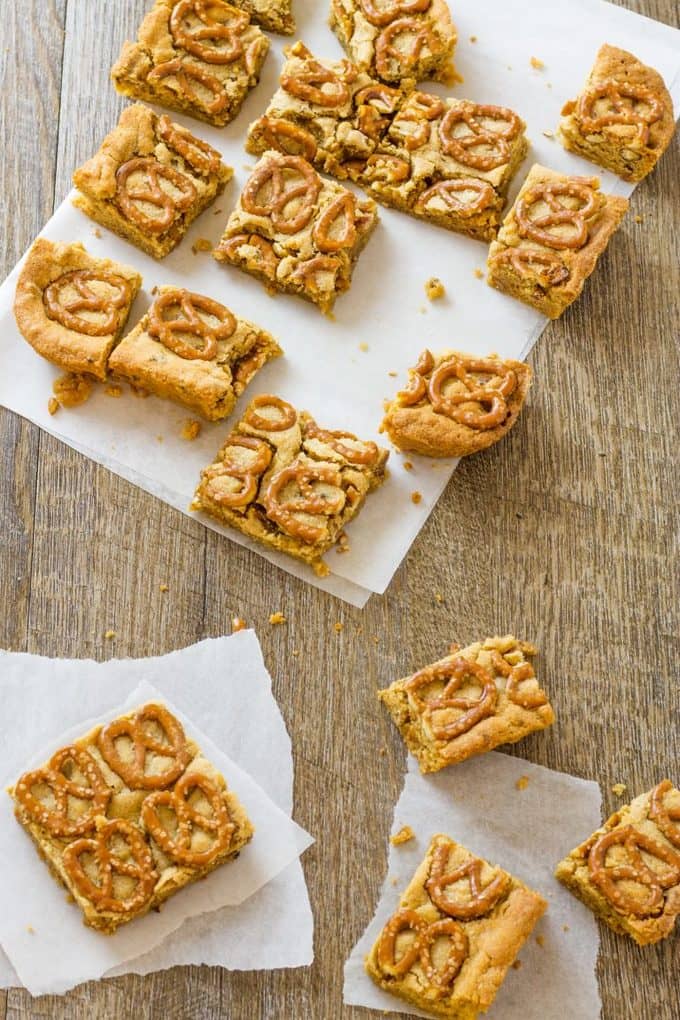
[
  {"x": 408, "y": 465},
  {"x": 277, "y": 618},
  {"x": 522, "y": 783},
  {"x": 53, "y": 405},
  {"x": 416, "y": 497},
  {"x": 30, "y": 929},
  {"x": 619, "y": 789},
  {"x": 516, "y": 964},
  {"x": 191, "y": 429},
  {"x": 473, "y": 38},
  {"x": 540, "y": 941},
  {"x": 202, "y": 244},
  {"x": 537, "y": 63},
  {"x": 479, "y": 274},
  {"x": 434, "y": 288},
  {"x": 363, "y": 347},
  {"x": 113, "y": 390},
  {"x": 549, "y": 134},
  {"x": 72, "y": 389},
  {"x": 403, "y": 836}
]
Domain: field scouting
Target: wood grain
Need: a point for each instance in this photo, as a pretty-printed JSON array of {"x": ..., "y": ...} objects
[{"x": 565, "y": 533}]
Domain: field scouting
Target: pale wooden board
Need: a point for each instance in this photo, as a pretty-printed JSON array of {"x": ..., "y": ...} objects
[{"x": 563, "y": 533}]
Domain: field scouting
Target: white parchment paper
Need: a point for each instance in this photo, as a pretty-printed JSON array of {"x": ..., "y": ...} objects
[
  {"x": 524, "y": 831},
  {"x": 221, "y": 691},
  {"x": 325, "y": 369}
]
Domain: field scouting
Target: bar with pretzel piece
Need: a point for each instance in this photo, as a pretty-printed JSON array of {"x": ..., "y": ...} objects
[
  {"x": 288, "y": 483},
  {"x": 129, "y": 814},
  {"x": 458, "y": 928},
  {"x": 71, "y": 307},
  {"x": 551, "y": 239},
  {"x": 398, "y": 41},
  {"x": 628, "y": 872},
  {"x": 192, "y": 349},
  {"x": 456, "y": 404},
  {"x": 473, "y": 700},
  {"x": 272, "y": 15},
  {"x": 149, "y": 180},
  {"x": 201, "y": 57},
  {"x": 297, "y": 232},
  {"x": 623, "y": 119}
]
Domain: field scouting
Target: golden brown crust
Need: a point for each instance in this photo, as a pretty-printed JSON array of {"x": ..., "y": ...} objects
[
  {"x": 210, "y": 385},
  {"x": 71, "y": 349},
  {"x": 155, "y": 871},
  {"x": 173, "y": 62},
  {"x": 150, "y": 155},
  {"x": 443, "y": 726},
  {"x": 297, "y": 232},
  {"x": 437, "y": 431},
  {"x": 623, "y": 120},
  {"x": 402, "y": 41},
  {"x": 285, "y": 482},
  {"x": 547, "y": 266},
  {"x": 487, "y": 943},
  {"x": 629, "y": 916}
]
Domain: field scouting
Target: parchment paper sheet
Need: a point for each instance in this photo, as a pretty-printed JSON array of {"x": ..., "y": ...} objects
[
  {"x": 524, "y": 831},
  {"x": 325, "y": 370},
  {"x": 221, "y": 691}
]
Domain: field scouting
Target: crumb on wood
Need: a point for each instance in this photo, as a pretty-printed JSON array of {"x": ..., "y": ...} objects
[
  {"x": 53, "y": 405},
  {"x": 277, "y": 618},
  {"x": 522, "y": 783},
  {"x": 363, "y": 347},
  {"x": 72, "y": 389},
  {"x": 237, "y": 624},
  {"x": 565, "y": 927},
  {"x": 537, "y": 63},
  {"x": 376, "y": 639},
  {"x": 516, "y": 964},
  {"x": 109, "y": 634},
  {"x": 338, "y": 627},
  {"x": 438, "y": 597},
  {"x": 163, "y": 587},
  {"x": 403, "y": 836},
  {"x": 295, "y": 652},
  {"x": 479, "y": 273},
  {"x": 201, "y": 244},
  {"x": 191, "y": 429},
  {"x": 540, "y": 941},
  {"x": 434, "y": 288},
  {"x": 639, "y": 219},
  {"x": 619, "y": 789},
  {"x": 382, "y": 751},
  {"x": 159, "y": 438},
  {"x": 416, "y": 497},
  {"x": 113, "y": 390}
]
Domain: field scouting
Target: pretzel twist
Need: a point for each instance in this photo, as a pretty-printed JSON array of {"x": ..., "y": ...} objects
[
  {"x": 493, "y": 143},
  {"x": 455, "y": 670},
  {"x": 607, "y": 877},
  {"x": 151, "y": 193},
  {"x": 56, "y": 819},
  {"x": 420, "y": 950},
  {"x": 305, "y": 499},
  {"x": 108, "y": 863},
  {"x": 482, "y": 898},
  {"x": 188, "y": 321},
  {"x": 249, "y": 476},
  {"x": 218, "y": 824},
  {"x": 225, "y": 36},
  {"x": 305, "y": 185},
  {"x": 538, "y": 227},
  {"x": 134, "y": 772},
  {"x": 111, "y": 307},
  {"x": 621, "y": 111}
]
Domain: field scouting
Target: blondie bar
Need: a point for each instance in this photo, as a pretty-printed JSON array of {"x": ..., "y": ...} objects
[
  {"x": 628, "y": 872},
  {"x": 456, "y": 404},
  {"x": 296, "y": 232},
  {"x": 129, "y": 814},
  {"x": 200, "y": 57},
  {"x": 150, "y": 180},
  {"x": 460, "y": 924},
  {"x": 551, "y": 239},
  {"x": 192, "y": 349},
  {"x": 71, "y": 307},
  {"x": 281, "y": 479},
  {"x": 623, "y": 119},
  {"x": 470, "y": 702}
]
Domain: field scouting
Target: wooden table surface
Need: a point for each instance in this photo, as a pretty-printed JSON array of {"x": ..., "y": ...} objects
[{"x": 565, "y": 533}]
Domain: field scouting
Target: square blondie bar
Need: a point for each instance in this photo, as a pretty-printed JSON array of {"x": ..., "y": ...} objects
[
  {"x": 71, "y": 307},
  {"x": 129, "y": 814},
  {"x": 191, "y": 349},
  {"x": 551, "y": 239},
  {"x": 398, "y": 41},
  {"x": 470, "y": 702},
  {"x": 460, "y": 924},
  {"x": 623, "y": 119},
  {"x": 297, "y": 232},
  {"x": 149, "y": 180},
  {"x": 196, "y": 57},
  {"x": 293, "y": 486},
  {"x": 628, "y": 872}
]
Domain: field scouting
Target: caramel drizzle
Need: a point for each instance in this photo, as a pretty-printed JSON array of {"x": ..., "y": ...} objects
[
  {"x": 455, "y": 671},
  {"x": 547, "y": 266},
  {"x": 185, "y": 72},
  {"x": 608, "y": 876},
  {"x": 141, "y": 867},
  {"x": 303, "y": 477},
  {"x": 482, "y": 898},
  {"x": 342, "y": 207},
  {"x": 168, "y": 331},
  {"x": 621, "y": 112},
  {"x": 226, "y": 37},
  {"x": 462, "y": 147},
  {"x": 249, "y": 476},
  {"x": 288, "y": 414},
  {"x": 305, "y": 185},
  {"x": 449, "y": 192},
  {"x": 537, "y": 227},
  {"x": 56, "y": 820},
  {"x": 151, "y": 192},
  {"x": 382, "y": 15},
  {"x": 386, "y": 50},
  {"x": 179, "y": 847},
  {"x": 134, "y": 772},
  {"x": 194, "y": 151},
  {"x": 111, "y": 306},
  {"x": 366, "y": 454},
  {"x": 307, "y": 85},
  {"x": 420, "y": 951},
  {"x": 665, "y": 817}
]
